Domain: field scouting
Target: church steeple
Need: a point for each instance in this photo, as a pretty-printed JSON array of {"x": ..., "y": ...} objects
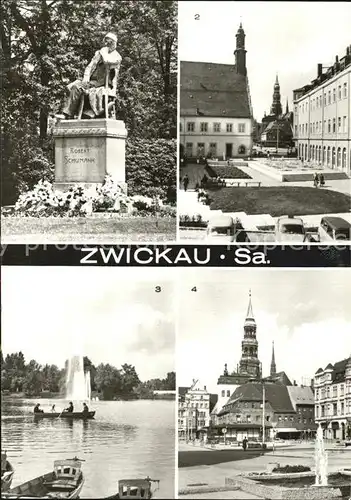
[
  {"x": 249, "y": 362},
  {"x": 287, "y": 106},
  {"x": 276, "y": 108},
  {"x": 240, "y": 52},
  {"x": 273, "y": 367}
]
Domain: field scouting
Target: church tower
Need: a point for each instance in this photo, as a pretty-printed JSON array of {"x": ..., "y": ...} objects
[
  {"x": 273, "y": 367},
  {"x": 276, "y": 108},
  {"x": 240, "y": 52},
  {"x": 249, "y": 362}
]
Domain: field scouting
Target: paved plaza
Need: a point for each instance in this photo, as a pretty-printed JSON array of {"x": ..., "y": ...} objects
[{"x": 203, "y": 479}]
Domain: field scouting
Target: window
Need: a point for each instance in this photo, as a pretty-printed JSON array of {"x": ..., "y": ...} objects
[
  {"x": 345, "y": 90},
  {"x": 329, "y": 96},
  {"x": 335, "y": 411},
  {"x": 329, "y": 126},
  {"x": 203, "y": 127},
  {"x": 334, "y": 95},
  {"x": 339, "y": 124},
  {"x": 344, "y": 124},
  {"x": 223, "y": 394},
  {"x": 228, "y": 392},
  {"x": 216, "y": 127},
  {"x": 213, "y": 152},
  {"x": 180, "y": 127},
  {"x": 189, "y": 149},
  {"x": 339, "y": 92},
  {"x": 241, "y": 128},
  {"x": 229, "y": 127},
  {"x": 342, "y": 408},
  {"x": 325, "y": 99},
  {"x": 191, "y": 126},
  {"x": 334, "y": 125}
]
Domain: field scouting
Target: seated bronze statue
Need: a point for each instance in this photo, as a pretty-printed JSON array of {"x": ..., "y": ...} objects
[{"x": 89, "y": 98}]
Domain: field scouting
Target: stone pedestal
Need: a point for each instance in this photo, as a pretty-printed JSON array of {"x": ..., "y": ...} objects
[{"x": 88, "y": 150}]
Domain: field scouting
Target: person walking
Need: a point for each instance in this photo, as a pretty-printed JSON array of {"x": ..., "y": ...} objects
[
  {"x": 244, "y": 443},
  {"x": 315, "y": 179},
  {"x": 321, "y": 180},
  {"x": 186, "y": 182}
]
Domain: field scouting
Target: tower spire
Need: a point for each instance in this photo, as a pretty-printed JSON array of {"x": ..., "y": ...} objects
[
  {"x": 273, "y": 367},
  {"x": 240, "y": 52},
  {"x": 249, "y": 362},
  {"x": 287, "y": 106},
  {"x": 276, "y": 108}
]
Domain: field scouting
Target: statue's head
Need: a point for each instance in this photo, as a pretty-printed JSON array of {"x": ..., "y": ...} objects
[{"x": 111, "y": 40}]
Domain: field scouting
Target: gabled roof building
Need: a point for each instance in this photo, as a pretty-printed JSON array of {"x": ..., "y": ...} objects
[{"x": 215, "y": 107}]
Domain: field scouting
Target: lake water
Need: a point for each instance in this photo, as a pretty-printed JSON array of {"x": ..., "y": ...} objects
[{"x": 126, "y": 440}]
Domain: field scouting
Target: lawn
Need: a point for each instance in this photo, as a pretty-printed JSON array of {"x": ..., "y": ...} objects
[
  {"x": 87, "y": 229},
  {"x": 227, "y": 172},
  {"x": 279, "y": 200}
]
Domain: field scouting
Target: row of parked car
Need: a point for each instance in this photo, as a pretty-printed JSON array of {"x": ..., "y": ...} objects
[{"x": 288, "y": 229}]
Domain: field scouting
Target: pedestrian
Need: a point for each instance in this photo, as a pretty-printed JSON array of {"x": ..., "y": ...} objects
[
  {"x": 315, "y": 179},
  {"x": 204, "y": 181},
  {"x": 244, "y": 443},
  {"x": 185, "y": 182},
  {"x": 53, "y": 409},
  {"x": 321, "y": 180}
]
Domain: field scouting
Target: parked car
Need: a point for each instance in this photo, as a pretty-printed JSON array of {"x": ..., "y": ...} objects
[
  {"x": 290, "y": 229},
  {"x": 334, "y": 229},
  {"x": 221, "y": 229}
]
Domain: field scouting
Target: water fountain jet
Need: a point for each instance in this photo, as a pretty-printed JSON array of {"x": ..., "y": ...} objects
[
  {"x": 321, "y": 459},
  {"x": 78, "y": 387}
]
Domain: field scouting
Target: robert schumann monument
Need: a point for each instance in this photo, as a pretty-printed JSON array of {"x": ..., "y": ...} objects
[{"x": 89, "y": 141}]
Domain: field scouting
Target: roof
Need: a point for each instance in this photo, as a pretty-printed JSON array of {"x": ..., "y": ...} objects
[
  {"x": 276, "y": 394},
  {"x": 338, "y": 374},
  {"x": 221, "y": 221},
  {"x": 213, "y": 401},
  {"x": 212, "y": 89},
  {"x": 319, "y": 371},
  {"x": 329, "y": 367},
  {"x": 280, "y": 378},
  {"x": 337, "y": 222},
  {"x": 301, "y": 395}
]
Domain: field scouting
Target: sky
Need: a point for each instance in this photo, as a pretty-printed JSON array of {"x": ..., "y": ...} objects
[
  {"x": 305, "y": 312},
  {"x": 111, "y": 315},
  {"x": 284, "y": 38}
]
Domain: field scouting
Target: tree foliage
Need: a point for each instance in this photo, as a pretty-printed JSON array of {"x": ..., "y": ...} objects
[
  {"x": 112, "y": 383},
  {"x": 45, "y": 44}
]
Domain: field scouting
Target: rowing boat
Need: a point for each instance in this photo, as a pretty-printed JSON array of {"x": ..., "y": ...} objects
[
  {"x": 65, "y": 481},
  {"x": 138, "y": 489},
  {"x": 7, "y": 472},
  {"x": 66, "y": 414}
]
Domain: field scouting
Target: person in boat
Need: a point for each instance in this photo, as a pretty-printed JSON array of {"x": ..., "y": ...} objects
[
  {"x": 70, "y": 408},
  {"x": 85, "y": 408},
  {"x": 37, "y": 409}
]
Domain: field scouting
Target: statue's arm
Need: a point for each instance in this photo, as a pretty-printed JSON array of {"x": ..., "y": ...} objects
[{"x": 91, "y": 66}]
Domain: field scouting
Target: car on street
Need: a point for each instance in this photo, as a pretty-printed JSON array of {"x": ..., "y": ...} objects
[
  {"x": 334, "y": 229},
  {"x": 290, "y": 229},
  {"x": 221, "y": 229}
]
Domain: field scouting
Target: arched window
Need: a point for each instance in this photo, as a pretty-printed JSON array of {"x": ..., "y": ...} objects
[
  {"x": 338, "y": 158},
  {"x": 333, "y": 157},
  {"x": 241, "y": 149},
  {"x": 324, "y": 155},
  {"x": 320, "y": 154},
  {"x": 306, "y": 156},
  {"x": 328, "y": 156}
]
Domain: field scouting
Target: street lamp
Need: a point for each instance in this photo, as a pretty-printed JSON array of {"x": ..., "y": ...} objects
[{"x": 263, "y": 413}]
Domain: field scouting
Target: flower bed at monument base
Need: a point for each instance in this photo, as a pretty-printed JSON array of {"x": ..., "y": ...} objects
[
  {"x": 227, "y": 172},
  {"x": 45, "y": 201}
]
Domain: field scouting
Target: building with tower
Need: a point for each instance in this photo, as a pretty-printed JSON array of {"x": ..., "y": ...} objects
[
  {"x": 215, "y": 107},
  {"x": 333, "y": 399},
  {"x": 277, "y": 127},
  {"x": 288, "y": 409},
  {"x": 322, "y": 116}
]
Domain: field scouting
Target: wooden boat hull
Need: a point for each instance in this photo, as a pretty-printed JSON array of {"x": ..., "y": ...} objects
[
  {"x": 66, "y": 414},
  {"x": 6, "y": 478},
  {"x": 35, "y": 488}
]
